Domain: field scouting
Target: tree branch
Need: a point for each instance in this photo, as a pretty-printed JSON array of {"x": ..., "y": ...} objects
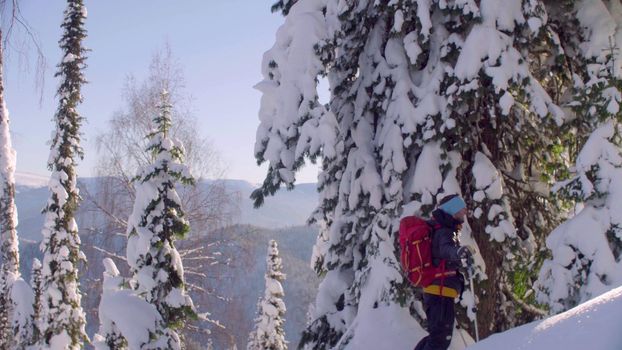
[{"x": 527, "y": 307}]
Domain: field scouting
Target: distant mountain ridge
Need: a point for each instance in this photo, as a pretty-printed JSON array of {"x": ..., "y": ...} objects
[
  {"x": 24, "y": 179},
  {"x": 285, "y": 209}
]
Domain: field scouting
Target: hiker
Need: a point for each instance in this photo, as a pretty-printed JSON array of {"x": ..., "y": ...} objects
[{"x": 438, "y": 297}]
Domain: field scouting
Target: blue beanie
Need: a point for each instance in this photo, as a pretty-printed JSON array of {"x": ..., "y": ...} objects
[{"x": 453, "y": 205}]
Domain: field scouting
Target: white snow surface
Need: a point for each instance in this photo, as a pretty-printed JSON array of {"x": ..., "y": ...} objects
[
  {"x": 594, "y": 325},
  {"x": 392, "y": 327},
  {"x": 428, "y": 178},
  {"x": 131, "y": 314},
  {"x": 604, "y": 28}
]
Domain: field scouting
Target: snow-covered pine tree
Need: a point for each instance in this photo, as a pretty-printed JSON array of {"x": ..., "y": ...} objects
[
  {"x": 587, "y": 248},
  {"x": 156, "y": 221},
  {"x": 126, "y": 319},
  {"x": 252, "y": 336},
  {"x": 9, "y": 250},
  {"x": 63, "y": 320},
  {"x": 419, "y": 109},
  {"x": 283, "y": 5},
  {"x": 498, "y": 131},
  {"x": 35, "y": 319},
  {"x": 109, "y": 337},
  {"x": 269, "y": 333},
  {"x": 5, "y": 318},
  {"x": 21, "y": 323}
]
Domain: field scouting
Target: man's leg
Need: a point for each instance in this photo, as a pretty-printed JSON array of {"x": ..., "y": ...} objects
[
  {"x": 440, "y": 313},
  {"x": 422, "y": 343}
]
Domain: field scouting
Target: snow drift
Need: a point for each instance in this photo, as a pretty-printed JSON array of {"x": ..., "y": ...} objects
[{"x": 593, "y": 325}]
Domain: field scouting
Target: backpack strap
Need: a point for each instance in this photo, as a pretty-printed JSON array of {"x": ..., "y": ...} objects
[
  {"x": 443, "y": 273},
  {"x": 405, "y": 256},
  {"x": 435, "y": 226}
]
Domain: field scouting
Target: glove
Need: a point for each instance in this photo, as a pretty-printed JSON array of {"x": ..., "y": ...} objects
[{"x": 465, "y": 254}]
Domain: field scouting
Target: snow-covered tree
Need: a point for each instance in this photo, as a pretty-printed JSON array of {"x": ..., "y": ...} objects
[
  {"x": 63, "y": 320},
  {"x": 5, "y": 322},
  {"x": 587, "y": 248},
  {"x": 121, "y": 150},
  {"x": 22, "y": 297},
  {"x": 127, "y": 320},
  {"x": 419, "y": 109},
  {"x": 36, "y": 284},
  {"x": 156, "y": 221},
  {"x": 252, "y": 336},
  {"x": 109, "y": 336},
  {"x": 9, "y": 250},
  {"x": 269, "y": 330},
  {"x": 283, "y": 5},
  {"x": 497, "y": 132}
]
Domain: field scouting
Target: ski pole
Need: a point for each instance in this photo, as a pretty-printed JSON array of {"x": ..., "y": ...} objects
[{"x": 474, "y": 307}]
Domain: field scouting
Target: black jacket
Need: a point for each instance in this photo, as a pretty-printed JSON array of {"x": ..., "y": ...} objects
[{"x": 445, "y": 245}]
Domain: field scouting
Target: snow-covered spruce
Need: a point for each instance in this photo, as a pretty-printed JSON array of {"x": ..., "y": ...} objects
[
  {"x": 283, "y": 5},
  {"x": 290, "y": 109},
  {"x": 156, "y": 221},
  {"x": 587, "y": 248},
  {"x": 427, "y": 99},
  {"x": 109, "y": 336},
  {"x": 63, "y": 320},
  {"x": 252, "y": 336},
  {"x": 269, "y": 331},
  {"x": 127, "y": 320},
  {"x": 9, "y": 251},
  {"x": 35, "y": 318},
  {"x": 22, "y": 297}
]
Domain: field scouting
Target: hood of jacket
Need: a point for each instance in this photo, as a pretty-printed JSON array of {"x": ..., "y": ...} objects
[{"x": 446, "y": 220}]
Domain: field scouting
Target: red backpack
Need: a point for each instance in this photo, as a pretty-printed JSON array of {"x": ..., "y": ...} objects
[{"x": 416, "y": 252}]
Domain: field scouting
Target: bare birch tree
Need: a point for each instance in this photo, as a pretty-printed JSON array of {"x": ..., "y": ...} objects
[{"x": 121, "y": 151}]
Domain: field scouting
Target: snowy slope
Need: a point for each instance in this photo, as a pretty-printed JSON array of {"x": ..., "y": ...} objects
[
  {"x": 593, "y": 325},
  {"x": 392, "y": 327}
]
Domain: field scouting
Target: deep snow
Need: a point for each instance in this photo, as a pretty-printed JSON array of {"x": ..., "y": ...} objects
[{"x": 594, "y": 325}]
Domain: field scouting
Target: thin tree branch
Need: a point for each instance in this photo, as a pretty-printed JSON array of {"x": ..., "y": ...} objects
[
  {"x": 527, "y": 307},
  {"x": 118, "y": 221},
  {"x": 109, "y": 253}
]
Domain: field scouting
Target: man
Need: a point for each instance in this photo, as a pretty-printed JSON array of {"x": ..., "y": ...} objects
[{"x": 438, "y": 298}]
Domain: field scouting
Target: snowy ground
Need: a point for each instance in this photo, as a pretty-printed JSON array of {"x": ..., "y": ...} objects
[
  {"x": 593, "y": 325},
  {"x": 374, "y": 330}
]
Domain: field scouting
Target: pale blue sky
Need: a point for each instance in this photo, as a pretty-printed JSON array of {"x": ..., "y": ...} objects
[{"x": 218, "y": 42}]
